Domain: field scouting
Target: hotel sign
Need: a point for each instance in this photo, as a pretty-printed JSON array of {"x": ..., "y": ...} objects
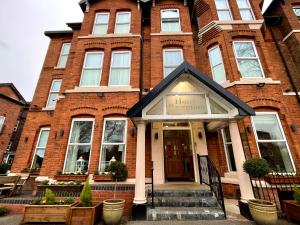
[{"x": 186, "y": 104}]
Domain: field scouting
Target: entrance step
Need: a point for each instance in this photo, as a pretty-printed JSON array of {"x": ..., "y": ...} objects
[
  {"x": 183, "y": 202},
  {"x": 181, "y": 193}
]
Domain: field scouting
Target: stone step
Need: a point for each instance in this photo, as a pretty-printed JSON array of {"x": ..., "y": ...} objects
[
  {"x": 181, "y": 213},
  {"x": 181, "y": 193},
  {"x": 183, "y": 201}
]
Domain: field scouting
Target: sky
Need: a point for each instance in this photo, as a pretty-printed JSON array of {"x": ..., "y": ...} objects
[{"x": 23, "y": 45}]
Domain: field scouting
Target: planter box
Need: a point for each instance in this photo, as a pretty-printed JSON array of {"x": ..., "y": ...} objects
[
  {"x": 283, "y": 180},
  {"x": 60, "y": 188},
  {"x": 46, "y": 213},
  {"x": 85, "y": 215},
  {"x": 102, "y": 177},
  {"x": 69, "y": 177},
  {"x": 31, "y": 171},
  {"x": 292, "y": 210}
]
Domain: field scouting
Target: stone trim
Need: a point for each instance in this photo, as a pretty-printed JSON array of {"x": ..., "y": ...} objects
[
  {"x": 250, "y": 81},
  {"x": 171, "y": 33},
  {"x": 107, "y": 89},
  {"x": 90, "y": 36},
  {"x": 290, "y": 34}
]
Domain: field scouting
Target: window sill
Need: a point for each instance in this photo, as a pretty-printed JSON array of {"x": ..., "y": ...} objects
[
  {"x": 48, "y": 109},
  {"x": 59, "y": 68},
  {"x": 250, "y": 81},
  {"x": 109, "y": 36},
  {"x": 230, "y": 178},
  {"x": 171, "y": 33},
  {"x": 103, "y": 89}
]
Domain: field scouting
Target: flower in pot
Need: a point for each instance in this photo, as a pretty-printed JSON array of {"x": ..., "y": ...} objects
[
  {"x": 292, "y": 207},
  {"x": 113, "y": 209},
  {"x": 263, "y": 212}
]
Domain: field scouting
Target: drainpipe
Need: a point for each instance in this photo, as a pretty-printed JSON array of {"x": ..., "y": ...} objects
[
  {"x": 141, "y": 55},
  {"x": 275, "y": 20}
]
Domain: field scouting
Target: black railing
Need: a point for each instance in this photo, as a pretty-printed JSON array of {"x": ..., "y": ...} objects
[
  {"x": 275, "y": 187},
  {"x": 209, "y": 175},
  {"x": 152, "y": 185}
]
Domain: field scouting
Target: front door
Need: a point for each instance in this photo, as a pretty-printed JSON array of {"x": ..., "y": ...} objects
[{"x": 178, "y": 155}]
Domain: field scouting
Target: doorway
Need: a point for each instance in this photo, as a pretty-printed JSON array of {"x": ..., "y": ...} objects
[{"x": 178, "y": 155}]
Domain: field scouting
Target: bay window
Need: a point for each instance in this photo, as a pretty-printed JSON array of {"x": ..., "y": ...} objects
[
  {"x": 271, "y": 142},
  {"x": 40, "y": 148},
  {"x": 92, "y": 69},
  {"x": 228, "y": 149},
  {"x": 101, "y": 23},
  {"x": 120, "y": 68},
  {"x": 223, "y": 10},
  {"x": 79, "y": 145},
  {"x": 170, "y": 20},
  {"x": 113, "y": 141},
  {"x": 172, "y": 58},
  {"x": 64, "y": 54},
  {"x": 247, "y": 59},
  {"x": 123, "y": 23},
  {"x": 245, "y": 9},
  {"x": 216, "y": 63},
  {"x": 54, "y": 92}
]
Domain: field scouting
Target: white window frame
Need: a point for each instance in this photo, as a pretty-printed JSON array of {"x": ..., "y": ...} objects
[
  {"x": 226, "y": 143},
  {"x": 296, "y": 7},
  {"x": 2, "y": 123},
  {"x": 164, "y": 58},
  {"x": 95, "y": 22},
  {"x": 257, "y": 57},
  {"x": 92, "y": 68},
  {"x": 69, "y": 139},
  {"x": 161, "y": 19},
  {"x": 102, "y": 140},
  {"x": 210, "y": 61},
  {"x": 228, "y": 9},
  {"x": 116, "y": 23},
  {"x": 61, "y": 54},
  {"x": 248, "y": 8},
  {"x": 53, "y": 92},
  {"x": 38, "y": 140},
  {"x": 111, "y": 64},
  {"x": 272, "y": 141}
]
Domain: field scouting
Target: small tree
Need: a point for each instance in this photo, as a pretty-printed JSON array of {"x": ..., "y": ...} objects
[
  {"x": 256, "y": 167},
  {"x": 49, "y": 198},
  {"x": 86, "y": 194}
]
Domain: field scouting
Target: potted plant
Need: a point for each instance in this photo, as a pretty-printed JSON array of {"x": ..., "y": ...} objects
[
  {"x": 47, "y": 209},
  {"x": 263, "y": 212},
  {"x": 113, "y": 209},
  {"x": 292, "y": 207},
  {"x": 106, "y": 176},
  {"x": 86, "y": 211}
]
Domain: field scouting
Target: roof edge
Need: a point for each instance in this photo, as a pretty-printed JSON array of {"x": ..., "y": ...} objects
[
  {"x": 74, "y": 25},
  {"x": 53, "y": 34}
]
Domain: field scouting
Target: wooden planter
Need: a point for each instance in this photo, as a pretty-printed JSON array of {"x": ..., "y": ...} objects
[
  {"x": 60, "y": 188},
  {"x": 102, "y": 177},
  {"x": 292, "y": 210},
  {"x": 69, "y": 177},
  {"x": 46, "y": 213},
  {"x": 283, "y": 180},
  {"x": 85, "y": 215}
]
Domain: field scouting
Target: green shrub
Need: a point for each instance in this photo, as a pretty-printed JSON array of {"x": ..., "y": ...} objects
[
  {"x": 37, "y": 201},
  {"x": 3, "y": 211},
  {"x": 86, "y": 194},
  {"x": 45, "y": 182},
  {"x": 4, "y": 167},
  {"x": 69, "y": 201},
  {"x": 118, "y": 170},
  {"x": 49, "y": 198},
  {"x": 297, "y": 195},
  {"x": 256, "y": 167},
  {"x": 78, "y": 182}
]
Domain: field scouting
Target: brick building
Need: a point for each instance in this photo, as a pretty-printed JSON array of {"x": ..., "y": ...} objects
[
  {"x": 165, "y": 81},
  {"x": 13, "y": 110}
]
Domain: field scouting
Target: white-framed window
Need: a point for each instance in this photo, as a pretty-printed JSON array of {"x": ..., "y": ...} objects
[
  {"x": 2, "y": 120},
  {"x": 245, "y": 10},
  {"x": 92, "y": 69},
  {"x": 170, "y": 20},
  {"x": 123, "y": 23},
  {"x": 113, "y": 141},
  {"x": 120, "y": 68},
  {"x": 296, "y": 10},
  {"x": 271, "y": 141},
  {"x": 223, "y": 10},
  {"x": 40, "y": 148},
  {"x": 101, "y": 23},
  {"x": 172, "y": 58},
  {"x": 79, "y": 145},
  {"x": 216, "y": 64},
  {"x": 247, "y": 59},
  {"x": 53, "y": 93},
  {"x": 228, "y": 149},
  {"x": 64, "y": 54}
]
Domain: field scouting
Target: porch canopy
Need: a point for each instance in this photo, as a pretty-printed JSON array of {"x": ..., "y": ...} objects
[{"x": 187, "y": 94}]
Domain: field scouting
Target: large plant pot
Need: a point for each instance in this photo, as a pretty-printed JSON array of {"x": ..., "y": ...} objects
[
  {"x": 292, "y": 210},
  {"x": 263, "y": 212},
  {"x": 85, "y": 215},
  {"x": 113, "y": 210},
  {"x": 46, "y": 214}
]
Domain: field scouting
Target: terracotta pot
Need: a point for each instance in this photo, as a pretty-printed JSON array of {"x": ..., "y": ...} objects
[
  {"x": 113, "y": 210},
  {"x": 292, "y": 210},
  {"x": 263, "y": 212}
]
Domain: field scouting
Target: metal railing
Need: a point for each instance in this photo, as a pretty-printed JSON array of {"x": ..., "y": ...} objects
[
  {"x": 209, "y": 175},
  {"x": 152, "y": 185}
]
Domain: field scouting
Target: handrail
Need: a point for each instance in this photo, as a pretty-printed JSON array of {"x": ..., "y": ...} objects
[
  {"x": 152, "y": 185},
  {"x": 210, "y": 176}
]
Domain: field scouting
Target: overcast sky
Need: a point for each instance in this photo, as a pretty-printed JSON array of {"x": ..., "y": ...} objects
[{"x": 23, "y": 45}]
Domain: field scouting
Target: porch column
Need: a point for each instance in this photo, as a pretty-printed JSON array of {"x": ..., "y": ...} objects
[
  {"x": 139, "y": 194},
  {"x": 239, "y": 158}
]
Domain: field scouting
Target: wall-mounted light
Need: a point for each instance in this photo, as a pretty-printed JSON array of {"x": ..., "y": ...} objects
[
  {"x": 261, "y": 85},
  {"x": 200, "y": 136},
  {"x": 249, "y": 129},
  {"x": 61, "y": 133},
  {"x": 294, "y": 127},
  {"x": 156, "y": 136},
  {"x": 132, "y": 131}
]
